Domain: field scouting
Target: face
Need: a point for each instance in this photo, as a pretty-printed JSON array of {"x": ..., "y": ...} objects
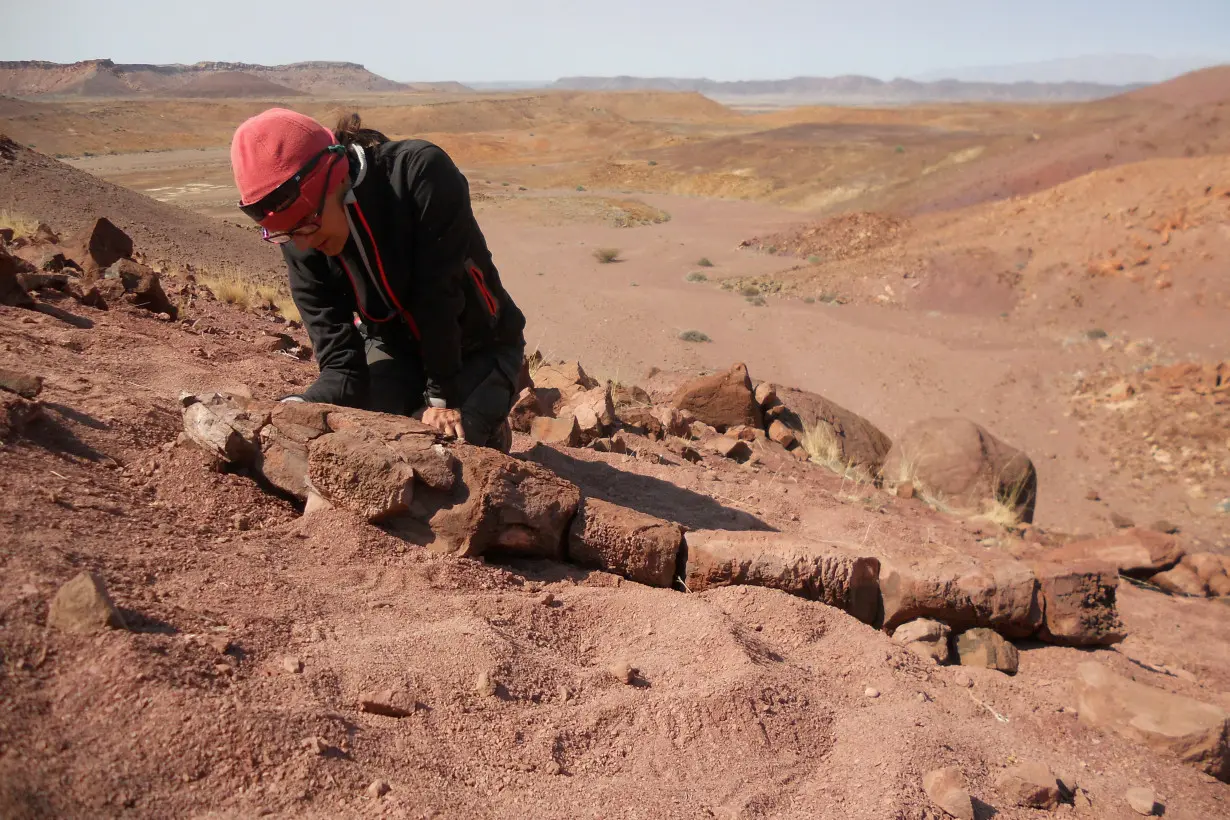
[{"x": 334, "y": 230}]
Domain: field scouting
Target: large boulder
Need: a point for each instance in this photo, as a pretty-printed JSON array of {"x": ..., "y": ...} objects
[
  {"x": 793, "y": 564},
  {"x": 721, "y": 400},
  {"x": 637, "y": 546},
  {"x": 1135, "y": 552},
  {"x": 832, "y": 434},
  {"x": 360, "y": 473},
  {"x": 103, "y": 247},
  {"x": 961, "y": 464},
  {"x": 1182, "y": 727}
]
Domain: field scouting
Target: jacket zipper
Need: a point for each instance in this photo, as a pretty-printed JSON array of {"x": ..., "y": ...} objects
[{"x": 405, "y": 314}]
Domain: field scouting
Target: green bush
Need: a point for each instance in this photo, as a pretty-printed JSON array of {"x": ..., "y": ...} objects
[
  {"x": 697, "y": 276},
  {"x": 757, "y": 300},
  {"x": 704, "y": 262},
  {"x": 694, "y": 336}
]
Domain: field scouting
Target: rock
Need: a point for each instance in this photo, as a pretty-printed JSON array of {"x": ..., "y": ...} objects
[
  {"x": 1032, "y": 785},
  {"x": 594, "y": 412},
  {"x": 871, "y": 692},
  {"x": 959, "y": 461},
  {"x": 946, "y": 789},
  {"x": 16, "y": 414},
  {"x": 221, "y": 425},
  {"x": 616, "y": 539},
  {"x": 11, "y": 291},
  {"x": 377, "y": 789},
  {"x": 732, "y": 448},
  {"x": 1142, "y": 801},
  {"x": 1194, "y": 732},
  {"x": 962, "y": 678},
  {"x": 905, "y": 489},
  {"x": 89, "y": 296},
  {"x": 387, "y": 703},
  {"x": 925, "y": 637},
  {"x": 783, "y": 435},
  {"x": 987, "y": 648},
  {"x": 721, "y": 400},
  {"x": 623, "y": 672},
  {"x": 83, "y": 605},
  {"x": 292, "y": 664},
  {"x": 959, "y": 590},
  {"x": 1078, "y": 604},
  {"x": 315, "y": 503},
  {"x": 525, "y": 410},
  {"x": 486, "y": 684},
  {"x": 1121, "y": 522},
  {"x": 847, "y": 438},
  {"x": 44, "y": 235},
  {"x": 629, "y": 396},
  {"x": 561, "y": 432},
  {"x": 614, "y": 444},
  {"x": 684, "y": 449},
  {"x": 26, "y": 386},
  {"x": 765, "y": 395},
  {"x": 43, "y": 281},
  {"x": 1162, "y": 525},
  {"x": 1181, "y": 579},
  {"x": 809, "y": 569},
  {"x": 105, "y": 245},
  {"x": 569, "y": 378},
  {"x": 275, "y": 342},
  {"x": 499, "y": 504},
  {"x": 745, "y": 433},
  {"x": 361, "y": 474},
  {"x": 144, "y": 285},
  {"x": 1135, "y": 552},
  {"x": 674, "y": 422},
  {"x": 315, "y": 745}
]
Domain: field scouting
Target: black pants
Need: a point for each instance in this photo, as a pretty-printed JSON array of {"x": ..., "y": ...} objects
[{"x": 486, "y": 382}]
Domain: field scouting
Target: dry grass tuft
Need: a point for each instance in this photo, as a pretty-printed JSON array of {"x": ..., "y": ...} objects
[
  {"x": 20, "y": 225},
  {"x": 232, "y": 287},
  {"x": 823, "y": 447},
  {"x": 607, "y": 255}
]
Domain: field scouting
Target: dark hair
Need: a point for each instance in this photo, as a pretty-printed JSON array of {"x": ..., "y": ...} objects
[{"x": 350, "y": 131}]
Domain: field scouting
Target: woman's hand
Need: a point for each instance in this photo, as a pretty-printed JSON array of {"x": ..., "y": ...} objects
[{"x": 445, "y": 420}]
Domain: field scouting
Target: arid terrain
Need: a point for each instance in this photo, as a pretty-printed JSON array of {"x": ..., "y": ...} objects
[{"x": 1054, "y": 273}]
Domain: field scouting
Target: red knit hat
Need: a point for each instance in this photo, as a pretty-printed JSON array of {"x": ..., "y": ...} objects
[{"x": 269, "y": 148}]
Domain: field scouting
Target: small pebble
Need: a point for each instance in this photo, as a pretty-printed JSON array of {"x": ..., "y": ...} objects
[
  {"x": 292, "y": 664},
  {"x": 871, "y": 692},
  {"x": 241, "y": 522},
  {"x": 486, "y": 684},
  {"x": 377, "y": 789},
  {"x": 547, "y": 599},
  {"x": 962, "y": 678},
  {"x": 220, "y": 644},
  {"x": 622, "y": 671},
  {"x": 315, "y": 745}
]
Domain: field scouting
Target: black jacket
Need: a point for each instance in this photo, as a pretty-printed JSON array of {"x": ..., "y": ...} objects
[{"x": 416, "y": 269}]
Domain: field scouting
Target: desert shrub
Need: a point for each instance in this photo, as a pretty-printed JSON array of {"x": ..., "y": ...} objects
[
  {"x": 580, "y": 187},
  {"x": 704, "y": 262},
  {"x": 697, "y": 276},
  {"x": 809, "y": 300},
  {"x": 607, "y": 255},
  {"x": 694, "y": 336},
  {"x": 756, "y": 301},
  {"x": 813, "y": 260},
  {"x": 900, "y": 149},
  {"x": 653, "y": 162},
  {"x": 1096, "y": 333},
  {"x": 749, "y": 291},
  {"x": 771, "y": 249}
]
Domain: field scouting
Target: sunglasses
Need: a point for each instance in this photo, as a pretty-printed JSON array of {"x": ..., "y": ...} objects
[{"x": 287, "y": 194}]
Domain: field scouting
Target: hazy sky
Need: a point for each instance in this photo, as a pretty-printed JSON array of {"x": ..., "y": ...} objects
[{"x": 472, "y": 40}]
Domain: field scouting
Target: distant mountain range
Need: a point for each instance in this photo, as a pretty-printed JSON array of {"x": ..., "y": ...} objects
[
  {"x": 852, "y": 90},
  {"x": 1105, "y": 69},
  {"x": 104, "y": 78}
]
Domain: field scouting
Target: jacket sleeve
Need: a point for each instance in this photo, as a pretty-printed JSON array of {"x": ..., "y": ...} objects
[
  {"x": 328, "y": 315},
  {"x": 441, "y": 199}
]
